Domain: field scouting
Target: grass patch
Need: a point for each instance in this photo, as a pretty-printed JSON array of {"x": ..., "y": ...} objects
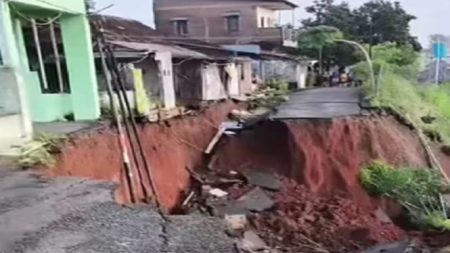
[
  {"x": 40, "y": 151},
  {"x": 402, "y": 93},
  {"x": 417, "y": 190}
]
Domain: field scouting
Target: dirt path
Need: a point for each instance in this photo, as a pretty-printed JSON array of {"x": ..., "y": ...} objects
[{"x": 77, "y": 215}]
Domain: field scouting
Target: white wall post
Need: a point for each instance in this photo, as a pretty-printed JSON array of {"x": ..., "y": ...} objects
[{"x": 166, "y": 71}]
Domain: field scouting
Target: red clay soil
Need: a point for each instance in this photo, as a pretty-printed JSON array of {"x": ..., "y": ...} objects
[
  {"x": 304, "y": 222},
  {"x": 324, "y": 155},
  {"x": 170, "y": 147}
]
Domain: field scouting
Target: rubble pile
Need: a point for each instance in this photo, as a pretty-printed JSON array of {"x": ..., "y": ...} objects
[
  {"x": 266, "y": 212},
  {"x": 286, "y": 217},
  {"x": 303, "y": 222}
]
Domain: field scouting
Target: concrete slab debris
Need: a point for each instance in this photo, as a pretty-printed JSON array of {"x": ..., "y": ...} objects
[
  {"x": 232, "y": 125},
  {"x": 236, "y": 221},
  {"x": 252, "y": 242},
  {"x": 216, "y": 192},
  {"x": 262, "y": 179},
  {"x": 255, "y": 200},
  {"x": 224, "y": 207},
  {"x": 251, "y": 118},
  {"x": 215, "y": 140},
  {"x": 227, "y": 126}
]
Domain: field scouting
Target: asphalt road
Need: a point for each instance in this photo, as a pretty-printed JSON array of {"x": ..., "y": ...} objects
[
  {"x": 320, "y": 103},
  {"x": 76, "y": 215}
]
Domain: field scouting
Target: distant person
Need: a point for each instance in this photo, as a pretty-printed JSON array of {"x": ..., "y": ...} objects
[
  {"x": 343, "y": 79},
  {"x": 334, "y": 79}
]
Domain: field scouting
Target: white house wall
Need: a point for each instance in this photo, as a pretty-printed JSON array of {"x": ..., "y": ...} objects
[{"x": 213, "y": 88}]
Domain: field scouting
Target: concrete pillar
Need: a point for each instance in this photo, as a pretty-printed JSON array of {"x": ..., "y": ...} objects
[
  {"x": 301, "y": 74},
  {"x": 7, "y": 45},
  {"x": 166, "y": 71},
  {"x": 11, "y": 61},
  {"x": 80, "y": 65}
]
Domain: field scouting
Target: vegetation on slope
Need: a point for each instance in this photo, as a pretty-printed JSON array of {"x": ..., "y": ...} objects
[
  {"x": 428, "y": 106},
  {"x": 417, "y": 190},
  {"x": 396, "y": 69}
]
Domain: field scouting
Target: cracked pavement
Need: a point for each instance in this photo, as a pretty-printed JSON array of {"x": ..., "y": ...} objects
[{"x": 76, "y": 215}]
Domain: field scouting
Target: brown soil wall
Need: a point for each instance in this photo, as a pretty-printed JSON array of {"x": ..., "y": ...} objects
[
  {"x": 325, "y": 155},
  {"x": 170, "y": 147}
]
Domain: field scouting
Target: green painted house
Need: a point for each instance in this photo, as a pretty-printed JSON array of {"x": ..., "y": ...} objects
[{"x": 47, "y": 70}]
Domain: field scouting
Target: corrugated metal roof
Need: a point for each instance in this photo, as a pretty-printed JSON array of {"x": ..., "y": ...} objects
[{"x": 177, "y": 52}]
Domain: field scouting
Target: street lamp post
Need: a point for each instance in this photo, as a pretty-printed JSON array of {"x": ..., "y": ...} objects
[
  {"x": 370, "y": 35},
  {"x": 369, "y": 61}
]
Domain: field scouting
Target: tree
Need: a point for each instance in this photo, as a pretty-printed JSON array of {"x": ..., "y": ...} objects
[
  {"x": 313, "y": 41},
  {"x": 380, "y": 21},
  {"x": 398, "y": 55},
  {"x": 320, "y": 10},
  {"x": 375, "y": 22},
  {"x": 328, "y": 14}
]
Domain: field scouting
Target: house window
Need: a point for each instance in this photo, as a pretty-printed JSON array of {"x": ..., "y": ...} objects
[
  {"x": 45, "y": 53},
  {"x": 262, "y": 22},
  {"x": 180, "y": 26},
  {"x": 232, "y": 22}
]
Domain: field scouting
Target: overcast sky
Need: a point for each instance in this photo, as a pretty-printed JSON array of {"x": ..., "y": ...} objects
[{"x": 433, "y": 15}]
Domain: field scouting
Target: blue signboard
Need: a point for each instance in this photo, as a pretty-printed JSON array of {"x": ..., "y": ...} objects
[{"x": 440, "y": 50}]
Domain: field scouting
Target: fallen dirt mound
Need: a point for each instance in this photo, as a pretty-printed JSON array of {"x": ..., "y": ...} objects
[
  {"x": 304, "y": 222},
  {"x": 325, "y": 156}
]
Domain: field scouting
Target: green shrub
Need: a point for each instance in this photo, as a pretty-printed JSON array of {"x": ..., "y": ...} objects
[
  {"x": 418, "y": 190},
  {"x": 406, "y": 96},
  {"x": 278, "y": 84}
]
